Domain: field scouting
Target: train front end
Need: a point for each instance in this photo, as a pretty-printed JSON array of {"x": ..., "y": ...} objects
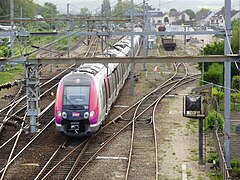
[{"x": 76, "y": 107}]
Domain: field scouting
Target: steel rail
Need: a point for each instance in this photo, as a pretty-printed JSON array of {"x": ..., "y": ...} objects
[
  {"x": 77, "y": 160},
  {"x": 133, "y": 126},
  {"x": 107, "y": 141},
  {"x": 63, "y": 159},
  {"x": 117, "y": 133},
  {"x": 33, "y": 139},
  {"x": 30, "y": 142},
  {"x": 50, "y": 160},
  {"x": 22, "y": 98},
  {"x": 13, "y": 149}
]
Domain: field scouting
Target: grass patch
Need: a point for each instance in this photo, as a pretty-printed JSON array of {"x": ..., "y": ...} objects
[
  {"x": 11, "y": 74},
  {"x": 194, "y": 158},
  {"x": 192, "y": 125},
  {"x": 188, "y": 172},
  {"x": 194, "y": 150}
]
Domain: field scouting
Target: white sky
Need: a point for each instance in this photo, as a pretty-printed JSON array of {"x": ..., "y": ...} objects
[{"x": 165, "y": 5}]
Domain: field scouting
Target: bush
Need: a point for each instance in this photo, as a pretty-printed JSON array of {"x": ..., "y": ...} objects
[
  {"x": 236, "y": 82},
  {"x": 218, "y": 93},
  {"x": 235, "y": 165},
  {"x": 210, "y": 120},
  {"x": 214, "y": 74},
  {"x": 5, "y": 51},
  {"x": 213, "y": 156}
]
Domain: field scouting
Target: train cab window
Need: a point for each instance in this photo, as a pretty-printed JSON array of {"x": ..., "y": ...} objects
[{"x": 76, "y": 95}]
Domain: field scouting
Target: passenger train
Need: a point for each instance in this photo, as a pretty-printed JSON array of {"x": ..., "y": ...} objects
[{"x": 84, "y": 96}]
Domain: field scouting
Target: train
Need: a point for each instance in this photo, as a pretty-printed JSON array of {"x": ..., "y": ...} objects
[
  {"x": 84, "y": 96},
  {"x": 169, "y": 43}
]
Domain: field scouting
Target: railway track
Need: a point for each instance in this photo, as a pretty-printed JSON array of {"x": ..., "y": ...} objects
[
  {"x": 70, "y": 159},
  {"x": 13, "y": 140},
  {"x": 11, "y": 135}
]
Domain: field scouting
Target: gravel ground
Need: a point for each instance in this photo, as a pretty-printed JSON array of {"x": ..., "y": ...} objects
[{"x": 177, "y": 136}]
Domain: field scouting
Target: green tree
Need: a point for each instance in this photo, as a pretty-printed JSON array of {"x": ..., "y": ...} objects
[
  {"x": 118, "y": 9},
  {"x": 214, "y": 74},
  {"x": 235, "y": 34},
  {"x": 215, "y": 48},
  {"x": 236, "y": 82},
  {"x": 84, "y": 11},
  {"x": 214, "y": 117},
  {"x": 202, "y": 11},
  {"x": 106, "y": 8},
  {"x": 122, "y": 8},
  {"x": 172, "y": 11},
  {"x": 191, "y": 13},
  {"x": 48, "y": 10},
  {"x": 28, "y": 8}
]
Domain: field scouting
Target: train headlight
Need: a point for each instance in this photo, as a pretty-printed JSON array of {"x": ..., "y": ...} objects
[
  {"x": 92, "y": 113},
  {"x": 59, "y": 113},
  {"x": 64, "y": 115},
  {"x": 86, "y": 114}
]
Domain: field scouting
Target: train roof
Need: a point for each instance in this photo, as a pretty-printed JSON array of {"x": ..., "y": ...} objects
[{"x": 94, "y": 68}]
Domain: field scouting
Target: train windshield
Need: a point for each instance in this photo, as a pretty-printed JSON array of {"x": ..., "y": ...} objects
[{"x": 76, "y": 95}]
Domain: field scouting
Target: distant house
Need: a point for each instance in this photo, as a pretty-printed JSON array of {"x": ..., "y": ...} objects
[
  {"x": 218, "y": 19},
  {"x": 156, "y": 17},
  {"x": 235, "y": 15},
  {"x": 184, "y": 16},
  {"x": 178, "y": 18},
  {"x": 202, "y": 19}
]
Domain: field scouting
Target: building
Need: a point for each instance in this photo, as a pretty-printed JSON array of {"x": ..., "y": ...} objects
[
  {"x": 218, "y": 19},
  {"x": 202, "y": 19},
  {"x": 156, "y": 17}
]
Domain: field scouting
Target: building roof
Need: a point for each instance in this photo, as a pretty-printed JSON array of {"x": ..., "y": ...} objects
[
  {"x": 155, "y": 13},
  {"x": 222, "y": 13},
  {"x": 202, "y": 15}
]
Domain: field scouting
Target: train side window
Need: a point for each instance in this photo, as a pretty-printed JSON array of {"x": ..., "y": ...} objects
[
  {"x": 120, "y": 72},
  {"x": 114, "y": 85},
  {"x": 123, "y": 69},
  {"x": 106, "y": 88},
  {"x": 116, "y": 77},
  {"x": 104, "y": 96},
  {"x": 110, "y": 86}
]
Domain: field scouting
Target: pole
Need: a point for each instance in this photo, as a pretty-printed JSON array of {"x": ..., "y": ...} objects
[
  {"x": 132, "y": 48},
  {"x": 148, "y": 25},
  {"x": 184, "y": 41},
  {"x": 145, "y": 37},
  {"x": 68, "y": 29},
  {"x": 227, "y": 82},
  {"x": 12, "y": 26},
  {"x": 200, "y": 126},
  {"x": 21, "y": 15}
]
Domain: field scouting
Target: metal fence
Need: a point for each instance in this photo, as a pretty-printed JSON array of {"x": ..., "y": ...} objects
[{"x": 222, "y": 161}]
